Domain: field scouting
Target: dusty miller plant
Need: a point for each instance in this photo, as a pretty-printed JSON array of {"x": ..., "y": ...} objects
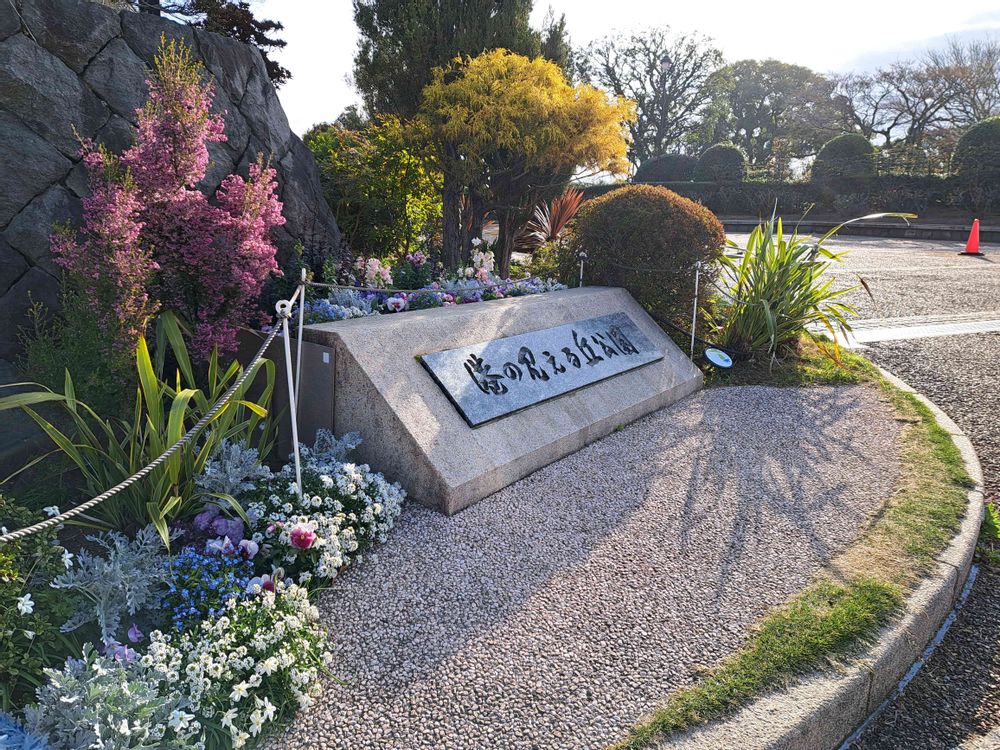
[
  {"x": 328, "y": 450},
  {"x": 234, "y": 468},
  {"x": 131, "y": 577},
  {"x": 97, "y": 702}
]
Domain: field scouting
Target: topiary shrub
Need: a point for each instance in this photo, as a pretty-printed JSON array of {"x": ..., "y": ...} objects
[
  {"x": 646, "y": 239},
  {"x": 977, "y": 155},
  {"x": 722, "y": 162},
  {"x": 849, "y": 155},
  {"x": 666, "y": 168}
]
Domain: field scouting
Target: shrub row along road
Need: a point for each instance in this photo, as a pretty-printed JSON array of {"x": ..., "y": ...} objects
[{"x": 954, "y": 702}]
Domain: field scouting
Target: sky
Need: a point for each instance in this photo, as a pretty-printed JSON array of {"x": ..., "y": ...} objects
[{"x": 322, "y": 37}]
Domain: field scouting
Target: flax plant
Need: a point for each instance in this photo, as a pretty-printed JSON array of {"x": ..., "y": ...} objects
[
  {"x": 105, "y": 452},
  {"x": 777, "y": 289}
]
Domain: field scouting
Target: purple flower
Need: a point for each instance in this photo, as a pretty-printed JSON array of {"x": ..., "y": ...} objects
[
  {"x": 134, "y": 634},
  {"x": 204, "y": 520},
  {"x": 249, "y": 548},
  {"x": 230, "y": 527},
  {"x": 119, "y": 651}
]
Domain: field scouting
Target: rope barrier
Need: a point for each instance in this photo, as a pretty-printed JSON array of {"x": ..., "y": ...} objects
[{"x": 13, "y": 536}]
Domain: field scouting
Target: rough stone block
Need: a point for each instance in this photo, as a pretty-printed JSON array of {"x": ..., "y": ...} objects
[
  {"x": 31, "y": 229},
  {"x": 28, "y": 164},
  {"x": 10, "y": 24},
  {"x": 118, "y": 76},
  {"x": 47, "y": 96},
  {"x": 142, "y": 32},
  {"x": 415, "y": 435},
  {"x": 12, "y": 268},
  {"x": 229, "y": 62},
  {"x": 34, "y": 286},
  {"x": 72, "y": 31}
]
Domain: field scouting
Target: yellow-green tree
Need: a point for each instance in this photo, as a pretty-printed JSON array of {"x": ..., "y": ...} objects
[
  {"x": 507, "y": 129},
  {"x": 381, "y": 182}
]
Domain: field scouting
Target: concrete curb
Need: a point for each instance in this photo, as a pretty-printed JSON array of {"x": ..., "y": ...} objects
[{"x": 820, "y": 711}]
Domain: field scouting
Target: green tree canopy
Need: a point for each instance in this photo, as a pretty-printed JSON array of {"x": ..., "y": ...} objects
[
  {"x": 773, "y": 111},
  {"x": 402, "y": 41},
  {"x": 510, "y": 126},
  {"x": 380, "y": 181}
]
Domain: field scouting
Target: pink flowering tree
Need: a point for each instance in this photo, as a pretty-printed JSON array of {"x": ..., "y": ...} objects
[{"x": 151, "y": 240}]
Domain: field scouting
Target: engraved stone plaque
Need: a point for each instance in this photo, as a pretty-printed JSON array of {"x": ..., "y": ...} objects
[{"x": 496, "y": 378}]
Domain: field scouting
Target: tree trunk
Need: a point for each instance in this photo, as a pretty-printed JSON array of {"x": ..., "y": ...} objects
[
  {"x": 452, "y": 235},
  {"x": 507, "y": 224}
]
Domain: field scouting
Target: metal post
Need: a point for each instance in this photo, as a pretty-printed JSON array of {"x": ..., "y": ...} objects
[
  {"x": 583, "y": 257},
  {"x": 694, "y": 312},
  {"x": 298, "y": 351},
  {"x": 284, "y": 308}
]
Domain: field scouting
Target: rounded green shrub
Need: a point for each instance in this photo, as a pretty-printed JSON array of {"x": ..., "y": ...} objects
[
  {"x": 977, "y": 155},
  {"x": 722, "y": 162},
  {"x": 646, "y": 239},
  {"x": 666, "y": 168},
  {"x": 849, "y": 155}
]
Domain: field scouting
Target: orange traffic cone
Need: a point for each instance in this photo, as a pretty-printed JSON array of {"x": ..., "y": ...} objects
[{"x": 972, "y": 246}]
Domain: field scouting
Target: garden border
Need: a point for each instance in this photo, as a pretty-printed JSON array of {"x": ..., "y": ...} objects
[{"x": 821, "y": 711}]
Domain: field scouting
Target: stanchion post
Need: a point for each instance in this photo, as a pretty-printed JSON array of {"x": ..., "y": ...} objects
[
  {"x": 298, "y": 351},
  {"x": 694, "y": 311},
  {"x": 284, "y": 310},
  {"x": 583, "y": 257}
]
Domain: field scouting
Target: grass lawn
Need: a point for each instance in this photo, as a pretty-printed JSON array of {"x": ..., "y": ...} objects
[{"x": 864, "y": 587}]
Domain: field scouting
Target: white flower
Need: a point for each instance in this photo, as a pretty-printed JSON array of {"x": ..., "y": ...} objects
[
  {"x": 228, "y": 717},
  {"x": 51, "y": 510},
  {"x": 476, "y": 242},
  {"x": 179, "y": 720},
  {"x": 269, "y": 710},
  {"x": 30, "y": 634},
  {"x": 67, "y": 559},
  {"x": 25, "y": 605},
  {"x": 256, "y": 723},
  {"x": 240, "y": 691}
]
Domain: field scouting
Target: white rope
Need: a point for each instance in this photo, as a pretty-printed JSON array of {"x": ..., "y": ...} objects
[{"x": 48, "y": 523}]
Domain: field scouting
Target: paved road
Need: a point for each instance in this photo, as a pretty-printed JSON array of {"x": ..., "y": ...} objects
[{"x": 954, "y": 702}]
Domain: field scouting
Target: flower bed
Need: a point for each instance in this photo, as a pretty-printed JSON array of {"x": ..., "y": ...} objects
[
  {"x": 203, "y": 645},
  {"x": 422, "y": 287}
]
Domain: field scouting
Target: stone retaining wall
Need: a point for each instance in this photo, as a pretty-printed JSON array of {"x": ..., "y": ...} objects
[{"x": 68, "y": 64}]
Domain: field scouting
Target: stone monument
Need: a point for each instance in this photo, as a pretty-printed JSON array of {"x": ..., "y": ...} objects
[{"x": 456, "y": 403}]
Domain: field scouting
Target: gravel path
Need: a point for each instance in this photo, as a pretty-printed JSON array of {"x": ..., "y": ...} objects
[{"x": 558, "y": 611}]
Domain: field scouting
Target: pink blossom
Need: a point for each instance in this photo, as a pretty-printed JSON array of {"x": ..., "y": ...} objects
[
  {"x": 151, "y": 240},
  {"x": 302, "y": 536}
]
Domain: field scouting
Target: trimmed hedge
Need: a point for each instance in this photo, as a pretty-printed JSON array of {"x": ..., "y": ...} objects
[
  {"x": 844, "y": 198},
  {"x": 666, "y": 168},
  {"x": 850, "y": 156},
  {"x": 977, "y": 154},
  {"x": 722, "y": 162},
  {"x": 646, "y": 239}
]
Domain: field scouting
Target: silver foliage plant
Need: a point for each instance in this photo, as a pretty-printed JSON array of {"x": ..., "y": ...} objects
[
  {"x": 129, "y": 576},
  {"x": 328, "y": 451},
  {"x": 233, "y": 468},
  {"x": 97, "y": 702}
]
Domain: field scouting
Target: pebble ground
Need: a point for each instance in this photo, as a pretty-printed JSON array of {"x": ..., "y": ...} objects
[{"x": 557, "y": 612}]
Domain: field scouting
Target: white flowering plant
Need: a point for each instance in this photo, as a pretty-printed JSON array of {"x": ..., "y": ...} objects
[
  {"x": 31, "y": 612},
  {"x": 259, "y": 661},
  {"x": 345, "y": 508}
]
